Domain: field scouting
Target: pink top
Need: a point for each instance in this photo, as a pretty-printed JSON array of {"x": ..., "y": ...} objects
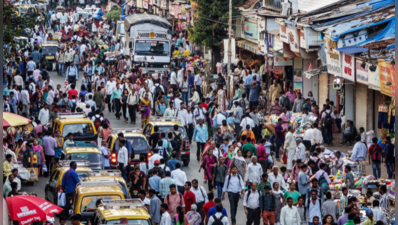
[
  {"x": 292, "y": 96},
  {"x": 261, "y": 153},
  {"x": 284, "y": 117}
]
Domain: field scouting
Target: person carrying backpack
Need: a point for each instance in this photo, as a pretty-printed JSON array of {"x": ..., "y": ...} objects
[
  {"x": 234, "y": 184},
  {"x": 178, "y": 138},
  {"x": 97, "y": 120},
  {"x": 327, "y": 120},
  {"x": 218, "y": 218},
  {"x": 375, "y": 156},
  {"x": 285, "y": 101}
]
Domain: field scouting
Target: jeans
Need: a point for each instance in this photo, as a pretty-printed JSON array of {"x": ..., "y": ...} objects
[
  {"x": 233, "y": 201},
  {"x": 278, "y": 143},
  {"x": 190, "y": 92},
  {"x": 190, "y": 132},
  {"x": 328, "y": 135},
  {"x": 376, "y": 166},
  {"x": 237, "y": 130},
  {"x": 61, "y": 68},
  {"x": 231, "y": 103},
  {"x": 116, "y": 101},
  {"x": 124, "y": 172},
  {"x": 132, "y": 112},
  {"x": 199, "y": 150},
  {"x": 219, "y": 189},
  {"x": 185, "y": 97},
  {"x": 389, "y": 170},
  {"x": 199, "y": 90}
]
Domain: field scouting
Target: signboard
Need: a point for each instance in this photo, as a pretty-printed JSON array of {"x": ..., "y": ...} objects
[
  {"x": 293, "y": 37},
  {"x": 298, "y": 87},
  {"x": 298, "y": 76},
  {"x": 171, "y": 9},
  {"x": 279, "y": 60},
  {"x": 333, "y": 59},
  {"x": 373, "y": 79},
  {"x": 311, "y": 38},
  {"x": 145, "y": 4},
  {"x": 139, "y": 3},
  {"x": 385, "y": 78},
  {"x": 362, "y": 73},
  {"x": 393, "y": 80},
  {"x": 283, "y": 34},
  {"x": 151, "y": 34},
  {"x": 163, "y": 4},
  {"x": 302, "y": 39},
  {"x": 348, "y": 67},
  {"x": 233, "y": 46},
  {"x": 58, "y": 36},
  {"x": 250, "y": 30}
]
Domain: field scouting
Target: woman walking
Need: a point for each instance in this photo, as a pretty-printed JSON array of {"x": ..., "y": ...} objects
[
  {"x": 240, "y": 164},
  {"x": 291, "y": 193},
  {"x": 38, "y": 151},
  {"x": 123, "y": 102},
  {"x": 145, "y": 110},
  {"x": 208, "y": 164},
  {"x": 132, "y": 102}
]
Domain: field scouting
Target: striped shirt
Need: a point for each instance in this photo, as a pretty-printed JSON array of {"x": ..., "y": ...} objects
[{"x": 276, "y": 109}]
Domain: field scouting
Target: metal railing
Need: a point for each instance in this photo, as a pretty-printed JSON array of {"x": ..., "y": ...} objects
[{"x": 275, "y": 5}]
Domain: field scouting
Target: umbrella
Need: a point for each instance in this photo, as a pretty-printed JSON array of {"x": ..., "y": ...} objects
[
  {"x": 27, "y": 209},
  {"x": 12, "y": 120}
]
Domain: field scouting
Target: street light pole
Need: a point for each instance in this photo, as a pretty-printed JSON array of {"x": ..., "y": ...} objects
[{"x": 229, "y": 48}]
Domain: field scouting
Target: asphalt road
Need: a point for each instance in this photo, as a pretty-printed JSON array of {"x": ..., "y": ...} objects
[{"x": 191, "y": 170}]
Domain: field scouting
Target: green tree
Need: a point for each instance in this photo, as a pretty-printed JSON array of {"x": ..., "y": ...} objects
[
  {"x": 211, "y": 25},
  {"x": 15, "y": 25},
  {"x": 114, "y": 14}
]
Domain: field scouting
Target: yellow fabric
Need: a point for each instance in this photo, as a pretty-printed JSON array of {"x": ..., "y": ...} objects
[
  {"x": 274, "y": 92},
  {"x": 146, "y": 102},
  {"x": 7, "y": 168}
]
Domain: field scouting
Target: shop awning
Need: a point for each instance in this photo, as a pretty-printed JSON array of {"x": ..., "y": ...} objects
[
  {"x": 314, "y": 72},
  {"x": 352, "y": 50},
  {"x": 249, "y": 46}
]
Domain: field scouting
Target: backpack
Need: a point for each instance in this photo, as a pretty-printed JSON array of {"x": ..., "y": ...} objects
[
  {"x": 316, "y": 167},
  {"x": 218, "y": 221},
  {"x": 286, "y": 102},
  {"x": 74, "y": 104},
  {"x": 229, "y": 179},
  {"x": 158, "y": 91},
  {"x": 97, "y": 122},
  {"x": 168, "y": 198},
  {"x": 328, "y": 120},
  {"x": 177, "y": 139},
  {"x": 323, "y": 183},
  {"x": 376, "y": 156}
]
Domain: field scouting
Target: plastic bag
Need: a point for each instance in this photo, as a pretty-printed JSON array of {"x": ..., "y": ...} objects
[
  {"x": 44, "y": 169},
  {"x": 61, "y": 200}
]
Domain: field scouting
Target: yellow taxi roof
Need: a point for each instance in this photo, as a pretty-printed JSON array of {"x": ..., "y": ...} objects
[
  {"x": 72, "y": 150},
  {"x": 65, "y": 168},
  {"x": 97, "y": 178},
  {"x": 74, "y": 120},
  {"x": 116, "y": 214},
  {"x": 165, "y": 123},
  {"x": 100, "y": 190}
]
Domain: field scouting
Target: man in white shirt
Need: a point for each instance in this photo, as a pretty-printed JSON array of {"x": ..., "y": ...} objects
[
  {"x": 218, "y": 215},
  {"x": 276, "y": 177},
  {"x": 290, "y": 214},
  {"x": 216, "y": 152},
  {"x": 179, "y": 75},
  {"x": 50, "y": 97},
  {"x": 234, "y": 185},
  {"x": 300, "y": 151},
  {"x": 182, "y": 114},
  {"x": 290, "y": 146},
  {"x": 153, "y": 158},
  {"x": 246, "y": 121},
  {"x": 198, "y": 83},
  {"x": 110, "y": 87},
  {"x": 254, "y": 171},
  {"x": 25, "y": 100},
  {"x": 200, "y": 196},
  {"x": 180, "y": 177},
  {"x": 359, "y": 152},
  {"x": 307, "y": 138},
  {"x": 169, "y": 112},
  {"x": 251, "y": 204},
  {"x": 44, "y": 115},
  {"x": 219, "y": 117},
  {"x": 316, "y": 137},
  {"x": 166, "y": 219},
  {"x": 199, "y": 113},
  {"x": 18, "y": 81},
  {"x": 122, "y": 159},
  {"x": 173, "y": 80},
  {"x": 378, "y": 214},
  {"x": 177, "y": 101}
]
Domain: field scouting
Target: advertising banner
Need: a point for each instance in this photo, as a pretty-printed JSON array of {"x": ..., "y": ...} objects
[
  {"x": 374, "y": 79},
  {"x": 385, "y": 78},
  {"x": 348, "y": 67},
  {"x": 362, "y": 73}
]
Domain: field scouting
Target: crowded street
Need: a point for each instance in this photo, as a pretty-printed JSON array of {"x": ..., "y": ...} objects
[{"x": 161, "y": 112}]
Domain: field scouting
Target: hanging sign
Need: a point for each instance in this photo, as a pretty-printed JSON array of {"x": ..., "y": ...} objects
[
  {"x": 332, "y": 58},
  {"x": 163, "y": 4},
  {"x": 283, "y": 34},
  {"x": 302, "y": 39},
  {"x": 279, "y": 60},
  {"x": 298, "y": 76},
  {"x": 362, "y": 73},
  {"x": 298, "y": 87},
  {"x": 139, "y": 3},
  {"x": 373, "y": 78},
  {"x": 385, "y": 78},
  {"x": 348, "y": 67},
  {"x": 293, "y": 37},
  {"x": 145, "y": 4}
]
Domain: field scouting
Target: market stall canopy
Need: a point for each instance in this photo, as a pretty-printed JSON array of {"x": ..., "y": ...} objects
[
  {"x": 249, "y": 46},
  {"x": 314, "y": 72},
  {"x": 12, "y": 120},
  {"x": 27, "y": 209},
  {"x": 146, "y": 18}
]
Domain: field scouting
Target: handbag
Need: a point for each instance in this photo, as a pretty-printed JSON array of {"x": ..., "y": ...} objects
[
  {"x": 143, "y": 109},
  {"x": 284, "y": 158}
]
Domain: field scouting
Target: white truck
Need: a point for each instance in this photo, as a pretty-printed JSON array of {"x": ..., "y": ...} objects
[{"x": 147, "y": 40}]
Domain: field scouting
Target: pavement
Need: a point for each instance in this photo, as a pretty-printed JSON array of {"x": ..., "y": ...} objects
[{"x": 191, "y": 171}]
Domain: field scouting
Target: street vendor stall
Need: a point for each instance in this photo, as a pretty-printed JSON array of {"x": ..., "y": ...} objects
[{"x": 12, "y": 120}]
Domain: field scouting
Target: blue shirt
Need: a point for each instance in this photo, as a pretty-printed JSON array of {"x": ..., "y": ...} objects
[
  {"x": 307, "y": 106},
  {"x": 249, "y": 80},
  {"x": 161, "y": 108},
  {"x": 213, "y": 211},
  {"x": 105, "y": 161},
  {"x": 154, "y": 182},
  {"x": 69, "y": 181},
  {"x": 36, "y": 56},
  {"x": 254, "y": 93},
  {"x": 172, "y": 164},
  {"x": 191, "y": 80},
  {"x": 200, "y": 134},
  {"x": 31, "y": 66},
  {"x": 6, "y": 91},
  {"x": 20, "y": 67}
]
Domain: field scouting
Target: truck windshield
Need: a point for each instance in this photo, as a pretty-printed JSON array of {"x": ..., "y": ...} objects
[
  {"x": 148, "y": 47},
  {"x": 120, "y": 28}
]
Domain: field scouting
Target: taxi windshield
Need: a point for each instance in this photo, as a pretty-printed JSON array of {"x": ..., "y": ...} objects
[
  {"x": 166, "y": 129},
  {"x": 22, "y": 11},
  {"x": 82, "y": 175},
  {"x": 138, "y": 143},
  {"x": 78, "y": 129},
  {"x": 138, "y": 222},
  {"x": 49, "y": 49},
  {"x": 88, "y": 203},
  {"x": 91, "y": 157}
]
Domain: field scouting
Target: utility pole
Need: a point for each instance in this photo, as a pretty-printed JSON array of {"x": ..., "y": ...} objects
[{"x": 229, "y": 49}]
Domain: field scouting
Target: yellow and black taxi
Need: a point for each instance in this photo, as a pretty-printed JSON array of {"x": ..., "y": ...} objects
[
  {"x": 166, "y": 125},
  {"x": 81, "y": 127},
  {"x": 88, "y": 192},
  {"x": 84, "y": 150},
  {"x": 129, "y": 211},
  {"x": 105, "y": 175},
  {"x": 135, "y": 140},
  {"x": 49, "y": 50},
  {"x": 27, "y": 10},
  {"x": 54, "y": 185}
]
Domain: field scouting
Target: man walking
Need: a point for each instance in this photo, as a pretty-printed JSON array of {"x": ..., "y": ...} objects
[
  {"x": 234, "y": 185},
  {"x": 290, "y": 214},
  {"x": 200, "y": 196},
  {"x": 173, "y": 200},
  {"x": 268, "y": 207},
  {"x": 69, "y": 182},
  {"x": 72, "y": 74},
  {"x": 154, "y": 207},
  {"x": 251, "y": 204},
  {"x": 200, "y": 135},
  {"x": 180, "y": 177}
]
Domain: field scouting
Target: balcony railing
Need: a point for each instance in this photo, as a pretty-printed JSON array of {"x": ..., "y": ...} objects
[{"x": 274, "y": 5}]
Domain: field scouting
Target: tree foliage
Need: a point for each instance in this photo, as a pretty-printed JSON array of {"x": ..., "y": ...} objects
[
  {"x": 114, "y": 14},
  {"x": 14, "y": 26}
]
